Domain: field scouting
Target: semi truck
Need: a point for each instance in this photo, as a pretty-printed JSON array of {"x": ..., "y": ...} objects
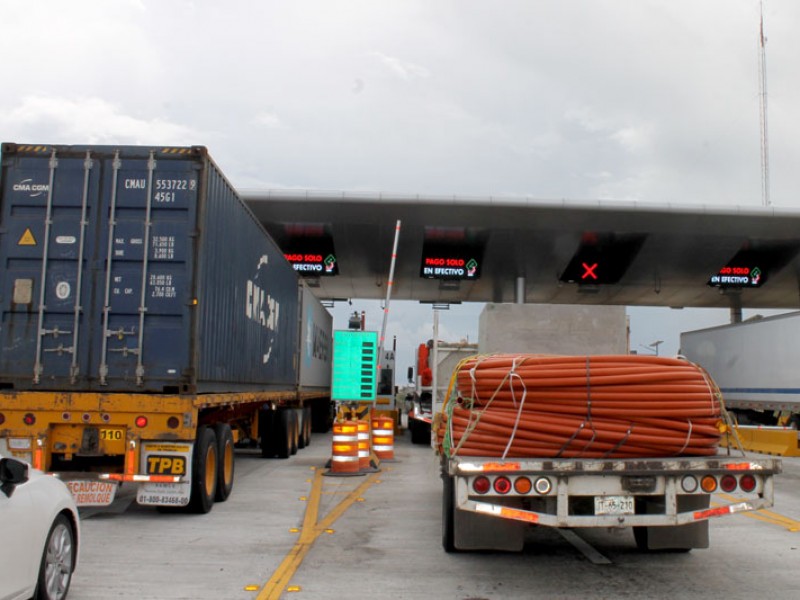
[
  {"x": 445, "y": 356},
  {"x": 491, "y": 498},
  {"x": 148, "y": 325},
  {"x": 755, "y": 365}
]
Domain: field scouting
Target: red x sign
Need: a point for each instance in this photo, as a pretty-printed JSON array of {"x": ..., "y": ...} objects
[{"x": 588, "y": 271}]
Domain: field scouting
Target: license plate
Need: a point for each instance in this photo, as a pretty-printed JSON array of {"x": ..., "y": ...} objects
[{"x": 613, "y": 505}]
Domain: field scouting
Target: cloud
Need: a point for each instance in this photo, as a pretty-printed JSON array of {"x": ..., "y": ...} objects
[
  {"x": 405, "y": 70},
  {"x": 90, "y": 120},
  {"x": 269, "y": 120}
]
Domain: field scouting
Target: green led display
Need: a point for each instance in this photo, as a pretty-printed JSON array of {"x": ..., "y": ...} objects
[{"x": 355, "y": 360}]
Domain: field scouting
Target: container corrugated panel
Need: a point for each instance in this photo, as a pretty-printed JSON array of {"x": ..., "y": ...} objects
[
  {"x": 316, "y": 342},
  {"x": 137, "y": 269}
]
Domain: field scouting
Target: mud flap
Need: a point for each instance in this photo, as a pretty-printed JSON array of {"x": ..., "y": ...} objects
[
  {"x": 474, "y": 531},
  {"x": 677, "y": 537}
]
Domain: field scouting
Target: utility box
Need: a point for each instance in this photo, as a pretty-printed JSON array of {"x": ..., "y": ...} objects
[{"x": 553, "y": 329}]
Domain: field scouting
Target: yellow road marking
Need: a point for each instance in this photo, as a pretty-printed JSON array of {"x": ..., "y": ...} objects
[
  {"x": 311, "y": 530},
  {"x": 767, "y": 516}
]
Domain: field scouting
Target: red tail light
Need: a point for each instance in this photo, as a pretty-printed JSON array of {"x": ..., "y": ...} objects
[
  {"x": 747, "y": 483},
  {"x": 29, "y": 419},
  {"x": 141, "y": 421},
  {"x": 481, "y": 484},
  {"x": 502, "y": 485},
  {"x": 727, "y": 483}
]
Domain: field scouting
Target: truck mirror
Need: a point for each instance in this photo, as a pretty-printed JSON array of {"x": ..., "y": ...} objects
[{"x": 410, "y": 374}]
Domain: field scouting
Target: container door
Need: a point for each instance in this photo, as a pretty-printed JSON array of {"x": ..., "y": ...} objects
[
  {"x": 145, "y": 289},
  {"x": 48, "y": 216}
]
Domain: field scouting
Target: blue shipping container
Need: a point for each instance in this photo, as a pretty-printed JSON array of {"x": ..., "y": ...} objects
[{"x": 137, "y": 269}]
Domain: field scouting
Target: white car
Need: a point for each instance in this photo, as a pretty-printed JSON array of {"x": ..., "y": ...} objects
[{"x": 39, "y": 533}]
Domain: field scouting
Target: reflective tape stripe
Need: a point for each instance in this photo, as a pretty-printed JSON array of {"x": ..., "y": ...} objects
[
  {"x": 383, "y": 448},
  {"x": 382, "y": 432},
  {"x": 344, "y": 458}
]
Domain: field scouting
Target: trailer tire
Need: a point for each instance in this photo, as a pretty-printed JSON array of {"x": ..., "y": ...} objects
[
  {"x": 204, "y": 471},
  {"x": 302, "y": 421},
  {"x": 225, "y": 461},
  {"x": 267, "y": 432},
  {"x": 420, "y": 432},
  {"x": 283, "y": 433},
  {"x": 448, "y": 514},
  {"x": 307, "y": 426},
  {"x": 292, "y": 428}
]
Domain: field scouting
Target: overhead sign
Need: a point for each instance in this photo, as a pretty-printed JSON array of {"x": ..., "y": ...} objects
[
  {"x": 451, "y": 253},
  {"x": 754, "y": 263},
  {"x": 313, "y": 263},
  {"x": 602, "y": 258},
  {"x": 742, "y": 276},
  {"x": 355, "y": 362},
  {"x": 308, "y": 247}
]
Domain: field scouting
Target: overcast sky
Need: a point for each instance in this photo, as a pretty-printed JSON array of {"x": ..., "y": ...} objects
[{"x": 647, "y": 100}]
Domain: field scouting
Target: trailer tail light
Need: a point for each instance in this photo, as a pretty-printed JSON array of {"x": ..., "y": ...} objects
[
  {"x": 709, "y": 484},
  {"x": 173, "y": 422},
  {"x": 502, "y": 485},
  {"x": 689, "y": 484},
  {"x": 141, "y": 421},
  {"x": 522, "y": 485},
  {"x": 727, "y": 483},
  {"x": 29, "y": 419},
  {"x": 747, "y": 483},
  {"x": 543, "y": 486},
  {"x": 2, "y": 418},
  {"x": 481, "y": 485}
]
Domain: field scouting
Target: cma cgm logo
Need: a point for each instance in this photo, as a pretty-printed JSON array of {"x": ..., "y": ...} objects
[
  {"x": 260, "y": 307},
  {"x": 34, "y": 189}
]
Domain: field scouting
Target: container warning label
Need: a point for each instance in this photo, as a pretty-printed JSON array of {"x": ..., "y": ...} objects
[{"x": 27, "y": 238}]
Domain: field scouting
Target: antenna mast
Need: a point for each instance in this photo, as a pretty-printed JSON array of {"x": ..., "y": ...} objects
[{"x": 762, "y": 68}]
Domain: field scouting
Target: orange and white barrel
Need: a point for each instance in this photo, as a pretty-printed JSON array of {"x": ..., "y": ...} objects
[
  {"x": 363, "y": 445},
  {"x": 344, "y": 456},
  {"x": 383, "y": 437}
]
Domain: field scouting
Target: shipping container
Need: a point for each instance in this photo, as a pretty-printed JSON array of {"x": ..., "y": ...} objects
[
  {"x": 149, "y": 324},
  {"x": 137, "y": 269},
  {"x": 316, "y": 347}
]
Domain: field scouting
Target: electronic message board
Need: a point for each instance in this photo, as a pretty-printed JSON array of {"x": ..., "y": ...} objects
[
  {"x": 355, "y": 360},
  {"x": 602, "y": 258},
  {"x": 752, "y": 264},
  {"x": 309, "y": 249},
  {"x": 452, "y": 253}
]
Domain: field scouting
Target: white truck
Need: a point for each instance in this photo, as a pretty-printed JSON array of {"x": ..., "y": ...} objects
[
  {"x": 488, "y": 502},
  {"x": 755, "y": 365},
  {"x": 445, "y": 356}
]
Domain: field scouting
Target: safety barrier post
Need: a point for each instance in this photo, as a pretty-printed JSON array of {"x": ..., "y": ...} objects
[
  {"x": 344, "y": 456},
  {"x": 383, "y": 436}
]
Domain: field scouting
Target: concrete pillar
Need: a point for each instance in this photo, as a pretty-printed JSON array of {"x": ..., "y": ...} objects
[
  {"x": 736, "y": 308},
  {"x": 519, "y": 291}
]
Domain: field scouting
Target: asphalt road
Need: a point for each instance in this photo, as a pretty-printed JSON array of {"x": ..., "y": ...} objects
[{"x": 289, "y": 532}]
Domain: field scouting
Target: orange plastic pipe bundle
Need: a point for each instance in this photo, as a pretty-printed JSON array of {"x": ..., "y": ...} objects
[{"x": 627, "y": 406}]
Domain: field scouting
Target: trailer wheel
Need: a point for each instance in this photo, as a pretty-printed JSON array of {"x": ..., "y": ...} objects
[
  {"x": 292, "y": 427},
  {"x": 306, "y": 426},
  {"x": 282, "y": 433},
  {"x": 448, "y": 514},
  {"x": 420, "y": 432},
  {"x": 204, "y": 471},
  {"x": 302, "y": 422},
  {"x": 226, "y": 463}
]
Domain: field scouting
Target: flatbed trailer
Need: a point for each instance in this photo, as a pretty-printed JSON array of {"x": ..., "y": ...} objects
[{"x": 488, "y": 502}]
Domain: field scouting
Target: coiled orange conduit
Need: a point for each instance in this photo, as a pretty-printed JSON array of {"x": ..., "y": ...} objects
[{"x": 627, "y": 406}]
